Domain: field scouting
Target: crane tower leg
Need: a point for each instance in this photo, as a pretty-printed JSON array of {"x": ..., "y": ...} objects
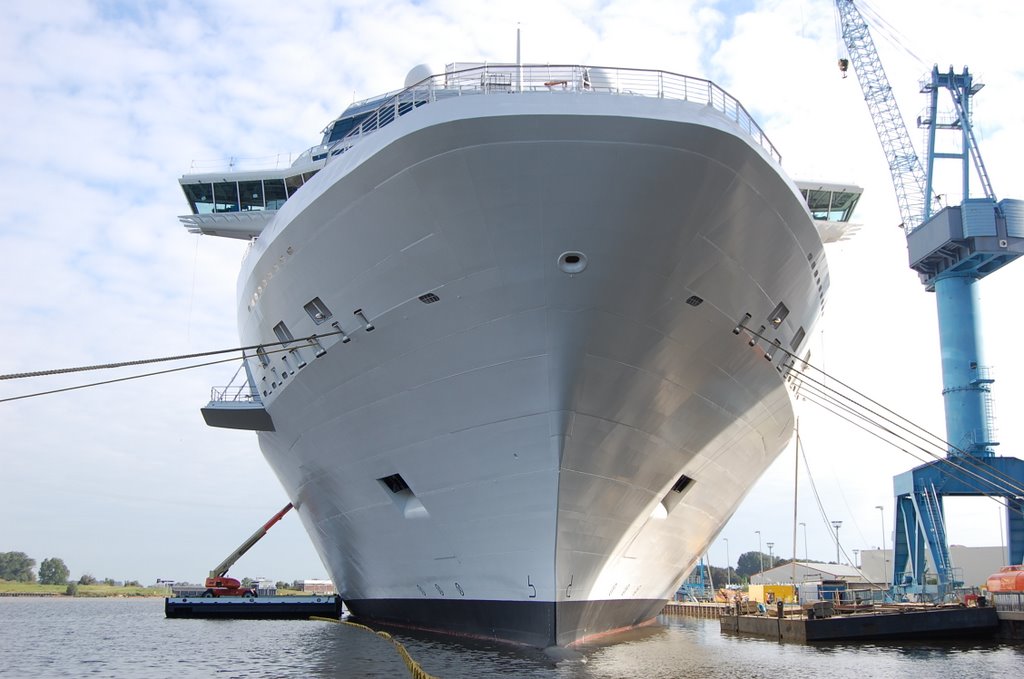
[{"x": 965, "y": 383}]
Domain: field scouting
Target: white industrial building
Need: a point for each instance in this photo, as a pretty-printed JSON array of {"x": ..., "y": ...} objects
[
  {"x": 971, "y": 565},
  {"x": 318, "y": 587},
  {"x": 801, "y": 571}
]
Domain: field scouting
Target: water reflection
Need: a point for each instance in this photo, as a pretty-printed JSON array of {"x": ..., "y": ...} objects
[{"x": 131, "y": 638}]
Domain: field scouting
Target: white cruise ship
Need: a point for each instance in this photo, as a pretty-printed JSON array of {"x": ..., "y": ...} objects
[{"x": 499, "y": 355}]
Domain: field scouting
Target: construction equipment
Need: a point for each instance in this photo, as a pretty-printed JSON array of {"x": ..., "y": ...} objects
[
  {"x": 218, "y": 584},
  {"x": 951, "y": 250}
]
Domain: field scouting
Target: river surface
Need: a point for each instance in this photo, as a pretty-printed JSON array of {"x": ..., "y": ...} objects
[{"x": 62, "y": 637}]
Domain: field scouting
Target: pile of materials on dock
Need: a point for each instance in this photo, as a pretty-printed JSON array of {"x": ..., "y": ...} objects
[{"x": 251, "y": 607}]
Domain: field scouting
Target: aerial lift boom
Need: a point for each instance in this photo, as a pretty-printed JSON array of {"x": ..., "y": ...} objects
[{"x": 218, "y": 584}]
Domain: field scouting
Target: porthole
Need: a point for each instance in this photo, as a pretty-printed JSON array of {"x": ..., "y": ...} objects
[{"x": 572, "y": 262}]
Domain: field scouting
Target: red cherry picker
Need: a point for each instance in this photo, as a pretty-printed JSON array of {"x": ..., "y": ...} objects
[{"x": 219, "y": 584}]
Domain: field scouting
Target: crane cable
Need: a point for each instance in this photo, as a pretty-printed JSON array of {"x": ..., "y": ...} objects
[
  {"x": 879, "y": 27},
  {"x": 891, "y": 34}
]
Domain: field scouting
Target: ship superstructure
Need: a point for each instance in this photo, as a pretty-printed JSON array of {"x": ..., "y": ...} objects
[{"x": 504, "y": 371}]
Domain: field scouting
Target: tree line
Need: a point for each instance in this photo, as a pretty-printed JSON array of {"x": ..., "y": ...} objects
[
  {"x": 18, "y": 567},
  {"x": 748, "y": 564}
]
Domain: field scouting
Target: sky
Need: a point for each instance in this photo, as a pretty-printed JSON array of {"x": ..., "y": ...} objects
[{"x": 107, "y": 103}]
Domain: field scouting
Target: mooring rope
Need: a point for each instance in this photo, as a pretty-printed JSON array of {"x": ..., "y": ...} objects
[
  {"x": 414, "y": 668},
  {"x": 309, "y": 341}
]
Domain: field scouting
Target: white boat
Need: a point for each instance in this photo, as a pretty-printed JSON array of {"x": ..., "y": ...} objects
[{"x": 505, "y": 331}]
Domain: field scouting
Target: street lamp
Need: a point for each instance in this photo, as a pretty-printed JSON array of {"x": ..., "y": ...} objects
[
  {"x": 856, "y": 558},
  {"x": 881, "y": 513},
  {"x": 806, "y": 558},
  {"x": 771, "y": 555},
  {"x": 760, "y": 554},
  {"x": 728, "y": 561},
  {"x": 836, "y": 525}
]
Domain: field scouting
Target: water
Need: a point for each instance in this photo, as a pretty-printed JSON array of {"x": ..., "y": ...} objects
[{"x": 60, "y": 637}]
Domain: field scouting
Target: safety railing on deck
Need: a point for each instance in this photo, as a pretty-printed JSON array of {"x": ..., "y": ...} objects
[
  {"x": 238, "y": 389},
  {"x": 233, "y": 394},
  {"x": 512, "y": 79},
  {"x": 507, "y": 79},
  {"x": 1008, "y": 601}
]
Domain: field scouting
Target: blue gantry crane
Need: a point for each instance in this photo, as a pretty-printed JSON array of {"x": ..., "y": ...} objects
[{"x": 951, "y": 249}]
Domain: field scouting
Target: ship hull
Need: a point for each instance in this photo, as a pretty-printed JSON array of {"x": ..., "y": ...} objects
[{"x": 542, "y": 417}]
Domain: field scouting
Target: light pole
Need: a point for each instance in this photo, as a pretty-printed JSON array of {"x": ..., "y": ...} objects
[
  {"x": 728, "y": 561},
  {"x": 771, "y": 555},
  {"x": 881, "y": 513},
  {"x": 856, "y": 558},
  {"x": 885, "y": 568},
  {"x": 805, "y": 540},
  {"x": 836, "y": 525},
  {"x": 760, "y": 554}
]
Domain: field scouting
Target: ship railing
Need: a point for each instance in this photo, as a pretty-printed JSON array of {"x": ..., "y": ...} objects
[
  {"x": 278, "y": 161},
  {"x": 234, "y": 394},
  {"x": 508, "y": 79},
  {"x": 238, "y": 389},
  {"x": 1007, "y": 602}
]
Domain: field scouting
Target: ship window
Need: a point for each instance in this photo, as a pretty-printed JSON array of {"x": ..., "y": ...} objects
[
  {"x": 262, "y": 354},
  {"x": 797, "y": 339},
  {"x": 340, "y": 128},
  {"x": 694, "y": 300},
  {"x": 293, "y": 184},
  {"x": 225, "y": 197},
  {"x": 274, "y": 192},
  {"x": 284, "y": 335},
  {"x": 317, "y": 310},
  {"x": 251, "y": 195},
  {"x": 306, "y": 176},
  {"x": 395, "y": 483},
  {"x": 200, "y": 197},
  {"x": 778, "y": 315},
  {"x": 429, "y": 298}
]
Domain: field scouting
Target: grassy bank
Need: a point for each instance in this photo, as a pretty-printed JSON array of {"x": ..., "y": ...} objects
[{"x": 27, "y": 588}]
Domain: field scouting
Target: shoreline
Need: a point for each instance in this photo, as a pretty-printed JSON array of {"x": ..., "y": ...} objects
[
  {"x": 23, "y": 589},
  {"x": 86, "y": 595}
]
